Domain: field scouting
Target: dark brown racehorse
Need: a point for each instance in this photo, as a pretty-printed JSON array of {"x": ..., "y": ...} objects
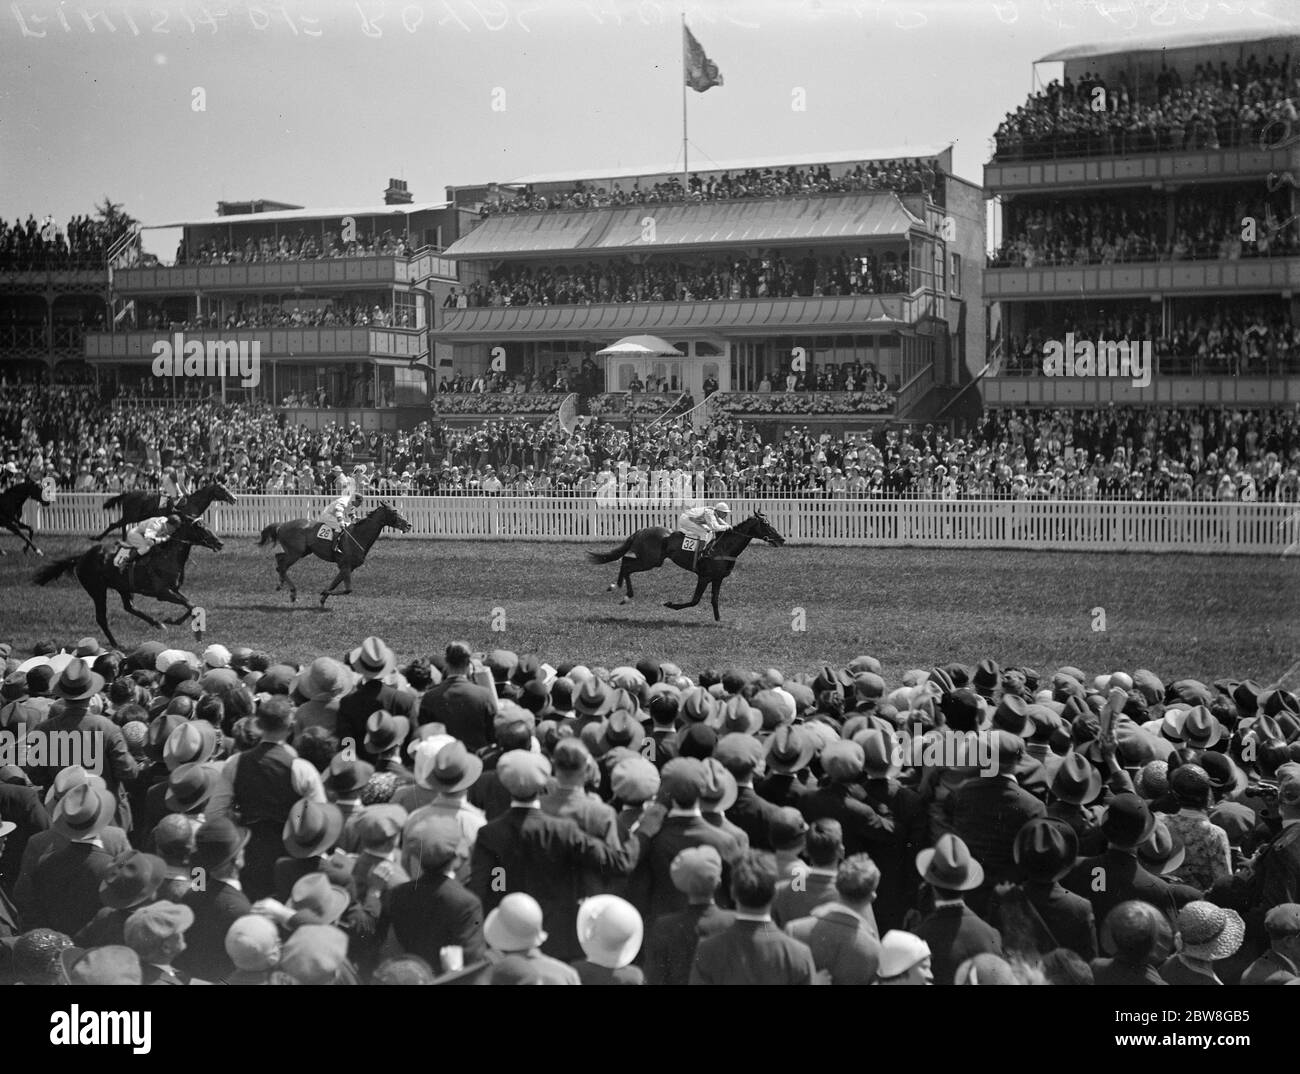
[
  {"x": 138, "y": 505},
  {"x": 155, "y": 574},
  {"x": 303, "y": 536},
  {"x": 647, "y": 549},
  {"x": 12, "y": 501}
]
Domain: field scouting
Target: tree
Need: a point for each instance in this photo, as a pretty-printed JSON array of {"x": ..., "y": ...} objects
[{"x": 114, "y": 215}]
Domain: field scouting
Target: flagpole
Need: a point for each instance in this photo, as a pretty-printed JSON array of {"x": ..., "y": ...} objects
[{"x": 685, "y": 173}]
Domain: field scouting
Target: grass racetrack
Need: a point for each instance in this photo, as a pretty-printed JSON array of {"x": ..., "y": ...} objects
[{"x": 1181, "y": 616}]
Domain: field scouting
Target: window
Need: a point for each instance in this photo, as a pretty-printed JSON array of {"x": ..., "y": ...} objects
[{"x": 956, "y": 275}]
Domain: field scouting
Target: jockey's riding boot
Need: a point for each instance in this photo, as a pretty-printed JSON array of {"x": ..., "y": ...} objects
[{"x": 337, "y": 548}]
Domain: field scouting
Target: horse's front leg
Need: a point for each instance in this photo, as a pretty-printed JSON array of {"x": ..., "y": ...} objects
[
  {"x": 126, "y": 603},
  {"x": 175, "y": 596},
  {"x": 29, "y": 538},
  {"x": 699, "y": 592},
  {"x": 717, "y": 584},
  {"x": 344, "y": 575}
]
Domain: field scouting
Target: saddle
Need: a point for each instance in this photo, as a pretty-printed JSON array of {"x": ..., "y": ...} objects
[{"x": 697, "y": 545}]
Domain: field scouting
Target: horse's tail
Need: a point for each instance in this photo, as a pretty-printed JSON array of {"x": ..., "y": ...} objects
[
  {"x": 51, "y": 571},
  {"x": 268, "y": 535},
  {"x": 113, "y": 501},
  {"x": 612, "y": 554}
]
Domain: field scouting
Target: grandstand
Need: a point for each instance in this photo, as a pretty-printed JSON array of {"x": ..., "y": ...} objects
[
  {"x": 1142, "y": 195},
  {"x": 853, "y": 275}
]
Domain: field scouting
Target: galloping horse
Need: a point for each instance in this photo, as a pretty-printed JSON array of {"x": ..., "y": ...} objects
[
  {"x": 155, "y": 574},
  {"x": 305, "y": 536},
  {"x": 11, "y": 512},
  {"x": 647, "y": 549},
  {"x": 138, "y": 505}
]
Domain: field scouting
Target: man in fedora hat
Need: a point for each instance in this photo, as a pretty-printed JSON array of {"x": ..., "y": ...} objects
[
  {"x": 1075, "y": 786},
  {"x": 865, "y": 830},
  {"x": 101, "y": 737},
  {"x": 322, "y": 684},
  {"x": 743, "y": 756},
  {"x": 1140, "y": 937},
  {"x": 841, "y": 932},
  {"x": 790, "y": 751},
  {"x": 65, "y": 884},
  {"x": 1280, "y": 868},
  {"x": 218, "y": 901},
  {"x": 312, "y": 831},
  {"x": 953, "y": 931},
  {"x": 17, "y": 707},
  {"x": 1039, "y": 915},
  {"x": 132, "y": 881},
  {"x": 882, "y": 791},
  {"x": 260, "y": 786},
  {"x": 529, "y": 851},
  {"x": 813, "y": 883},
  {"x": 464, "y": 707},
  {"x": 1127, "y": 824},
  {"x": 752, "y": 951},
  {"x": 374, "y": 663},
  {"x": 434, "y": 911},
  {"x": 453, "y": 771}
]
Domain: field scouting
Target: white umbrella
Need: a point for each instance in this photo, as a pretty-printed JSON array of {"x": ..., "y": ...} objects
[{"x": 641, "y": 347}]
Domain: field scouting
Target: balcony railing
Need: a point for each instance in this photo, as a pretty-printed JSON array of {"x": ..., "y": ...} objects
[
  {"x": 1259, "y": 274},
  {"x": 1169, "y": 139},
  {"x": 275, "y": 342}
]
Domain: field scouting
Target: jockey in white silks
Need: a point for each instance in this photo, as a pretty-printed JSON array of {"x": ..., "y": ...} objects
[
  {"x": 174, "y": 488},
  {"x": 705, "y": 523},
  {"x": 338, "y": 513},
  {"x": 144, "y": 535}
]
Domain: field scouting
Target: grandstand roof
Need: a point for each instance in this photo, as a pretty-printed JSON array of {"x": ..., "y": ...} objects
[
  {"x": 291, "y": 215},
  {"x": 1171, "y": 43},
  {"x": 816, "y": 218},
  {"x": 701, "y": 167}
]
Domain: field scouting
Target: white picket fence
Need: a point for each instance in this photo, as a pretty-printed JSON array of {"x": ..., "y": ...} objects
[{"x": 1100, "y": 526}]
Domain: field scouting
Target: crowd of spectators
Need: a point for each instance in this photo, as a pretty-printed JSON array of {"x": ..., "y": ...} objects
[
  {"x": 772, "y": 274},
  {"x": 492, "y": 818},
  {"x": 300, "y": 246},
  {"x": 1233, "y": 336},
  {"x": 338, "y": 314},
  {"x": 1147, "y": 453},
  {"x": 83, "y": 243},
  {"x": 1248, "y": 103},
  {"x": 903, "y": 176},
  {"x": 1204, "y": 225}
]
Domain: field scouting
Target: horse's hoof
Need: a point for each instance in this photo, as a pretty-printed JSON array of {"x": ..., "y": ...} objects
[
  {"x": 39, "y": 552},
  {"x": 670, "y": 604},
  {"x": 612, "y": 586},
  {"x": 624, "y": 600}
]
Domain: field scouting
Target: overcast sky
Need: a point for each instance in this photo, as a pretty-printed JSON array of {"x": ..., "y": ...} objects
[{"x": 319, "y": 103}]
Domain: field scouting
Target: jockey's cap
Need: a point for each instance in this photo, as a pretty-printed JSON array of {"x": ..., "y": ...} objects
[{"x": 722, "y": 509}]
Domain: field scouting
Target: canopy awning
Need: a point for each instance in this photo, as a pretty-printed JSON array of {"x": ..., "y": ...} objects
[
  {"x": 640, "y": 347},
  {"x": 650, "y": 228},
  {"x": 1172, "y": 42}
]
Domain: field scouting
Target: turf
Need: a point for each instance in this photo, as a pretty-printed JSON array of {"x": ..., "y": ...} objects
[{"x": 1197, "y": 616}]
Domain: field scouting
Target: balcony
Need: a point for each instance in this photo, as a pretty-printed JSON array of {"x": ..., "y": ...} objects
[
  {"x": 1164, "y": 390},
  {"x": 1254, "y": 275},
  {"x": 294, "y": 344},
  {"x": 737, "y": 317},
  {"x": 351, "y": 272},
  {"x": 1132, "y": 160}
]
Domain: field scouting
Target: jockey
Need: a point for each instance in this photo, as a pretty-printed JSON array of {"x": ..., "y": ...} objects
[
  {"x": 143, "y": 536},
  {"x": 174, "y": 488},
  {"x": 337, "y": 514},
  {"x": 706, "y": 523}
]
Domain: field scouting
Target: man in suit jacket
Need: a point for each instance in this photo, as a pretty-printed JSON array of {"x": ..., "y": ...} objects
[
  {"x": 841, "y": 932},
  {"x": 216, "y": 904},
  {"x": 434, "y": 910},
  {"x": 464, "y": 707},
  {"x": 952, "y": 930},
  {"x": 65, "y": 884},
  {"x": 814, "y": 883},
  {"x": 651, "y": 889},
  {"x": 988, "y": 811},
  {"x": 1045, "y": 851},
  {"x": 889, "y": 798},
  {"x": 157, "y": 934},
  {"x": 753, "y": 951},
  {"x": 1128, "y": 823},
  {"x": 1280, "y": 867},
  {"x": 527, "y": 851},
  {"x": 10, "y": 926},
  {"x": 21, "y": 806},
  {"x": 865, "y": 830},
  {"x": 742, "y": 755},
  {"x": 374, "y": 662},
  {"x": 1281, "y": 963},
  {"x": 670, "y": 946}
]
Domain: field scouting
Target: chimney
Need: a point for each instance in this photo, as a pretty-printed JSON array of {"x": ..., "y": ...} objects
[{"x": 397, "y": 194}]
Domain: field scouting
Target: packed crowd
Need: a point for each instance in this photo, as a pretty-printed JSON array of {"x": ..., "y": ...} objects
[
  {"x": 773, "y": 275},
  {"x": 263, "y": 315},
  {"x": 1224, "y": 336},
  {"x": 83, "y": 243},
  {"x": 1246, "y": 104},
  {"x": 904, "y": 176},
  {"x": 1103, "y": 231},
  {"x": 300, "y": 246},
  {"x": 495, "y": 819},
  {"x": 1145, "y": 453}
]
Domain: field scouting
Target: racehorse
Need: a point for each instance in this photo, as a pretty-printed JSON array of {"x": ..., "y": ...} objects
[
  {"x": 11, "y": 512},
  {"x": 647, "y": 549},
  {"x": 138, "y": 505},
  {"x": 305, "y": 536},
  {"x": 155, "y": 574}
]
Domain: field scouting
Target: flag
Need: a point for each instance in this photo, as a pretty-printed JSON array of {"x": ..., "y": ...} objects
[
  {"x": 568, "y": 413},
  {"x": 701, "y": 72}
]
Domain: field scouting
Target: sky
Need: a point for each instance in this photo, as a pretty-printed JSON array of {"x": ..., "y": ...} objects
[{"x": 319, "y": 103}]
